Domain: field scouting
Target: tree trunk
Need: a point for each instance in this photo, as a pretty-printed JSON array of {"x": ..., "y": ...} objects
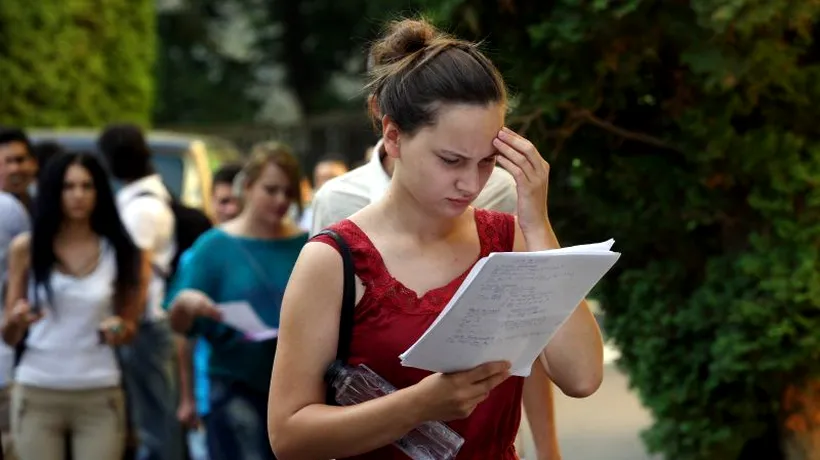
[{"x": 801, "y": 421}]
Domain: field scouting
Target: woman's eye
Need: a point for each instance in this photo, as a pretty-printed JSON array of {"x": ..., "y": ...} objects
[{"x": 449, "y": 161}]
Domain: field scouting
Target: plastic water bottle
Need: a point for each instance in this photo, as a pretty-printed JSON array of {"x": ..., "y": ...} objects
[{"x": 430, "y": 441}]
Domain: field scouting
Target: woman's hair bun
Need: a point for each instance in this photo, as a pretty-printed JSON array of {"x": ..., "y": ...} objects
[{"x": 402, "y": 39}]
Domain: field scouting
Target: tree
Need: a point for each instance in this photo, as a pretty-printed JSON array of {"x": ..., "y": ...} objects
[
  {"x": 198, "y": 79},
  {"x": 326, "y": 38},
  {"x": 687, "y": 131},
  {"x": 311, "y": 43},
  {"x": 76, "y": 63}
]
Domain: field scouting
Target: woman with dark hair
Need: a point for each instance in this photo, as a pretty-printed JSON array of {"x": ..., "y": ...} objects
[
  {"x": 76, "y": 288},
  {"x": 440, "y": 104}
]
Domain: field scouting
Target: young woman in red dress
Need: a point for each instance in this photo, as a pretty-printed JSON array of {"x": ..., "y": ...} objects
[{"x": 441, "y": 105}]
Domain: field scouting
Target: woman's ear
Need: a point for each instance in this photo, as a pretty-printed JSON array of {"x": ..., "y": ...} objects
[{"x": 391, "y": 135}]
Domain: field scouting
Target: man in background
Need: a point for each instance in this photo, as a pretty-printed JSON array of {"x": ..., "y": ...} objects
[
  {"x": 328, "y": 167},
  {"x": 19, "y": 167},
  {"x": 226, "y": 203}
]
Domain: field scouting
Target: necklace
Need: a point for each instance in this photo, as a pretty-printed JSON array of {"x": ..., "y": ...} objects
[{"x": 85, "y": 268}]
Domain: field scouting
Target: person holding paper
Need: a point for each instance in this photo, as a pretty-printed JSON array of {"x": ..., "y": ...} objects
[
  {"x": 344, "y": 195},
  {"x": 245, "y": 261},
  {"x": 441, "y": 106}
]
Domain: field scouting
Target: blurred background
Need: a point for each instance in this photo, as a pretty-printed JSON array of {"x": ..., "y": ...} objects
[{"x": 685, "y": 129}]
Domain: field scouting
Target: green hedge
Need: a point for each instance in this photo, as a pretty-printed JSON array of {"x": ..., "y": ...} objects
[
  {"x": 76, "y": 63},
  {"x": 688, "y": 131}
]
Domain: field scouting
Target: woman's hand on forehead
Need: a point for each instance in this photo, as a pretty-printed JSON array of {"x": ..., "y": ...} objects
[{"x": 519, "y": 156}]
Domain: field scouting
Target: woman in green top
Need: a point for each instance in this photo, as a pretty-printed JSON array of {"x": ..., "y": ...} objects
[{"x": 246, "y": 259}]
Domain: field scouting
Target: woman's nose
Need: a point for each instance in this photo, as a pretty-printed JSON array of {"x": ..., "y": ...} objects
[{"x": 468, "y": 182}]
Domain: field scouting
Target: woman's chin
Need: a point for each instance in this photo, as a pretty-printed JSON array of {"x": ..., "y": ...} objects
[{"x": 75, "y": 215}]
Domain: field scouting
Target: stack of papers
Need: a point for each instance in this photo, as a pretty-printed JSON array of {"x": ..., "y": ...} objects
[
  {"x": 241, "y": 316},
  {"x": 509, "y": 307}
]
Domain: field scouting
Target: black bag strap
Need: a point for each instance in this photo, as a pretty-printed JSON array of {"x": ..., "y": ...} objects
[
  {"x": 348, "y": 297},
  {"x": 346, "y": 317}
]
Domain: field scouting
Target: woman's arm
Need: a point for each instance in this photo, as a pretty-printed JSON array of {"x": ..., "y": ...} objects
[
  {"x": 122, "y": 327},
  {"x": 186, "y": 409},
  {"x": 16, "y": 287},
  {"x": 195, "y": 286},
  {"x": 300, "y": 424},
  {"x": 575, "y": 355},
  {"x": 134, "y": 303},
  {"x": 540, "y": 410}
]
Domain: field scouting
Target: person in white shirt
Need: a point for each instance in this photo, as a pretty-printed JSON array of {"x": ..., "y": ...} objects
[
  {"x": 144, "y": 206},
  {"x": 76, "y": 289}
]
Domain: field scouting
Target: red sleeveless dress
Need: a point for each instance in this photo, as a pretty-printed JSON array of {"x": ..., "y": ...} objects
[{"x": 390, "y": 318}]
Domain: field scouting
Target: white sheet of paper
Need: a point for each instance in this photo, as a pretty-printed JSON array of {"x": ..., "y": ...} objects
[
  {"x": 240, "y": 315},
  {"x": 509, "y": 307}
]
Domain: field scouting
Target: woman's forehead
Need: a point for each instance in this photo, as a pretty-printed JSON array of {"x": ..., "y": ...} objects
[{"x": 466, "y": 130}]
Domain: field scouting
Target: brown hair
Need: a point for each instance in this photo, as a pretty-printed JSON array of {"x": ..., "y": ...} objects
[
  {"x": 279, "y": 155},
  {"x": 415, "y": 68}
]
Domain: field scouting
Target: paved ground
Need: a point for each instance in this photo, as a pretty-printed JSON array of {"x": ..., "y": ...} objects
[{"x": 604, "y": 426}]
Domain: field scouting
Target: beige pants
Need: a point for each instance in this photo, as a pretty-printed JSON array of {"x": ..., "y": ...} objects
[
  {"x": 94, "y": 418},
  {"x": 5, "y": 424}
]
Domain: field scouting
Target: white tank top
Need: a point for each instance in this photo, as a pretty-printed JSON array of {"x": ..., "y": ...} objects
[{"x": 63, "y": 349}]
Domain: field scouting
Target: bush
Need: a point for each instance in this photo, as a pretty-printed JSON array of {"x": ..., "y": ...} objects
[
  {"x": 686, "y": 130},
  {"x": 76, "y": 63}
]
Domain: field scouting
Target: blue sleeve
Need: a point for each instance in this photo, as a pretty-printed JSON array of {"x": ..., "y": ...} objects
[{"x": 199, "y": 269}]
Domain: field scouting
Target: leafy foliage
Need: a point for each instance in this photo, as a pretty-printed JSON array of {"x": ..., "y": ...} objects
[
  {"x": 192, "y": 63},
  {"x": 687, "y": 131},
  {"x": 67, "y": 63},
  {"x": 311, "y": 42}
]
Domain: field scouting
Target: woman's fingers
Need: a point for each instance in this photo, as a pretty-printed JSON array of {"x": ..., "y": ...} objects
[
  {"x": 114, "y": 330},
  {"x": 513, "y": 161},
  {"x": 522, "y": 146}
]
